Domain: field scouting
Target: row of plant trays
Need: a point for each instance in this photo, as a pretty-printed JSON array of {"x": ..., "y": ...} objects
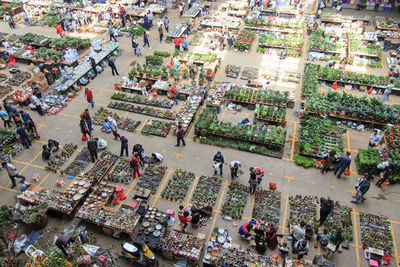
[
  {"x": 126, "y": 124},
  {"x": 235, "y": 200},
  {"x": 341, "y": 219},
  {"x": 151, "y": 178},
  {"x": 143, "y": 100},
  {"x": 178, "y": 186},
  {"x": 206, "y": 192},
  {"x": 376, "y": 232},
  {"x": 66, "y": 152},
  {"x": 122, "y": 172},
  {"x": 155, "y": 127},
  {"x": 248, "y": 95},
  {"x": 303, "y": 208},
  {"x": 101, "y": 167},
  {"x": 267, "y": 206},
  {"x": 147, "y": 111},
  {"x": 79, "y": 163}
]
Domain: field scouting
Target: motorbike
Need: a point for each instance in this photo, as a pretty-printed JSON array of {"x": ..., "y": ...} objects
[{"x": 140, "y": 253}]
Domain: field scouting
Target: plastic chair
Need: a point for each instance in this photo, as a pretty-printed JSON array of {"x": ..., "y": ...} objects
[
  {"x": 35, "y": 177},
  {"x": 60, "y": 183},
  {"x": 33, "y": 252}
]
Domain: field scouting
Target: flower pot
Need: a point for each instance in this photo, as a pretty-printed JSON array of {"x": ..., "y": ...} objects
[{"x": 37, "y": 226}]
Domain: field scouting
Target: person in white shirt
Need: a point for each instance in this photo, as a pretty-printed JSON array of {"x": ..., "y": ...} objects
[
  {"x": 157, "y": 157},
  {"x": 374, "y": 139},
  {"x": 298, "y": 233},
  {"x": 388, "y": 90},
  {"x": 234, "y": 165},
  {"x": 38, "y": 105}
]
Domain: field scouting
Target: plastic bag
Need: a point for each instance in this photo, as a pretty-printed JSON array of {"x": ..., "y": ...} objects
[
  {"x": 19, "y": 243},
  {"x": 84, "y": 259},
  {"x": 90, "y": 249},
  {"x": 69, "y": 230}
]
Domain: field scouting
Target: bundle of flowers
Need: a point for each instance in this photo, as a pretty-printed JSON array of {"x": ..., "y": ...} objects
[{"x": 244, "y": 40}]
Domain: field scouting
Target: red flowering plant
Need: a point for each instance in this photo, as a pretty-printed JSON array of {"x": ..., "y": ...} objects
[{"x": 244, "y": 40}]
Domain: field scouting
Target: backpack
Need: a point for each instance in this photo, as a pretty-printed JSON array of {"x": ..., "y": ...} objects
[{"x": 132, "y": 164}]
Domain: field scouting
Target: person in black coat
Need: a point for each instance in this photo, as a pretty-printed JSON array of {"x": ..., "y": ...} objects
[
  {"x": 93, "y": 65},
  {"x": 326, "y": 209},
  {"x": 218, "y": 159},
  {"x": 92, "y": 146},
  {"x": 343, "y": 164}
]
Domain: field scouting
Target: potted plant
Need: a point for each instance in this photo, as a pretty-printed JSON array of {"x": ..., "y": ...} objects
[{"x": 36, "y": 216}]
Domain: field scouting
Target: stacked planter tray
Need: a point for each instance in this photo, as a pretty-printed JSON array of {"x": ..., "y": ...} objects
[
  {"x": 151, "y": 178},
  {"x": 376, "y": 232},
  {"x": 206, "y": 192},
  {"x": 155, "y": 127},
  {"x": 178, "y": 186},
  {"x": 143, "y": 100},
  {"x": 143, "y": 110},
  {"x": 235, "y": 200},
  {"x": 267, "y": 206}
]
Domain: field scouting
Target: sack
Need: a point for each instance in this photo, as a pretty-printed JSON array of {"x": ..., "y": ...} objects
[
  {"x": 84, "y": 138},
  {"x": 347, "y": 172},
  {"x": 331, "y": 247},
  {"x": 272, "y": 186}
]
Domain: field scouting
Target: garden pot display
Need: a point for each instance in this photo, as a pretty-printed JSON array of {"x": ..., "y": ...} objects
[
  {"x": 303, "y": 208},
  {"x": 181, "y": 245},
  {"x": 318, "y": 137},
  {"x": 79, "y": 163},
  {"x": 215, "y": 95},
  {"x": 99, "y": 197},
  {"x": 178, "y": 186},
  {"x": 102, "y": 166},
  {"x": 35, "y": 217},
  {"x": 249, "y": 73},
  {"x": 149, "y": 111},
  {"x": 253, "y": 96},
  {"x": 6, "y": 137},
  {"x": 376, "y": 232},
  {"x": 9, "y": 151},
  {"x": 267, "y": 206},
  {"x": 151, "y": 178},
  {"x": 143, "y": 100},
  {"x": 187, "y": 112},
  {"x": 155, "y": 127},
  {"x": 282, "y": 40},
  {"x": 59, "y": 159},
  {"x": 277, "y": 23},
  {"x": 270, "y": 113},
  {"x": 341, "y": 219},
  {"x": 206, "y": 192},
  {"x": 235, "y": 200},
  {"x": 232, "y": 71},
  {"x": 153, "y": 228},
  {"x": 127, "y": 124},
  {"x": 18, "y": 78},
  {"x": 244, "y": 40},
  {"x": 122, "y": 172}
]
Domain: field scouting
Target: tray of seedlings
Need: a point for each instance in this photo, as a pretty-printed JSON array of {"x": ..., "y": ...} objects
[
  {"x": 178, "y": 186},
  {"x": 267, "y": 206},
  {"x": 79, "y": 163},
  {"x": 235, "y": 201},
  {"x": 303, "y": 208},
  {"x": 206, "y": 192},
  {"x": 376, "y": 232},
  {"x": 151, "y": 178},
  {"x": 122, "y": 172}
]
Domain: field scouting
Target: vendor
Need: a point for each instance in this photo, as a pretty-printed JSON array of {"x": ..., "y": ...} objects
[
  {"x": 374, "y": 139},
  {"x": 184, "y": 218},
  {"x": 245, "y": 229},
  {"x": 106, "y": 127},
  {"x": 53, "y": 145},
  {"x": 259, "y": 174},
  {"x": 157, "y": 157},
  {"x": 195, "y": 218},
  {"x": 272, "y": 237},
  {"x": 64, "y": 242},
  {"x": 244, "y": 121},
  {"x": 46, "y": 153}
]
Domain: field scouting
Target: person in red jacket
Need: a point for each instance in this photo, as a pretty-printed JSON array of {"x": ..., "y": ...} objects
[
  {"x": 89, "y": 96},
  {"x": 184, "y": 218},
  {"x": 135, "y": 165},
  {"x": 177, "y": 42}
]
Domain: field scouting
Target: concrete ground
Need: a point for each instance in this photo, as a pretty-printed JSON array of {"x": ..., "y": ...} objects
[{"x": 290, "y": 179}]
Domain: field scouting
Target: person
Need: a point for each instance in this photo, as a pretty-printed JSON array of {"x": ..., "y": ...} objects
[
  {"x": 253, "y": 180},
  {"x": 160, "y": 32},
  {"x": 26, "y": 141},
  {"x": 138, "y": 149},
  {"x": 111, "y": 32},
  {"x": 36, "y": 90},
  {"x": 92, "y": 146},
  {"x": 146, "y": 22},
  {"x": 387, "y": 171},
  {"x": 174, "y": 92},
  {"x": 60, "y": 29},
  {"x": 26, "y": 18},
  {"x": 15, "y": 115},
  {"x": 46, "y": 153},
  {"x": 10, "y": 21},
  {"x": 181, "y": 8},
  {"x": 166, "y": 24},
  {"x": 88, "y": 119},
  {"x": 106, "y": 127},
  {"x": 234, "y": 166},
  {"x": 184, "y": 44},
  {"x": 64, "y": 242},
  {"x": 362, "y": 188},
  {"x": 156, "y": 157},
  {"x": 244, "y": 121},
  {"x": 260, "y": 245},
  {"x": 328, "y": 162},
  {"x": 246, "y": 228},
  {"x": 12, "y": 173},
  {"x": 89, "y": 96},
  {"x": 301, "y": 248},
  {"x": 124, "y": 146},
  {"x": 177, "y": 42},
  {"x": 31, "y": 128},
  {"x": 284, "y": 249},
  {"x": 135, "y": 165},
  {"x": 336, "y": 240},
  {"x": 142, "y": 86},
  {"x": 184, "y": 218},
  {"x": 84, "y": 129},
  {"x": 230, "y": 42},
  {"x": 93, "y": 65},
  {"x": 111, "y": 64},
  {"x": 195, "y": 218},
  {"x": 387, "y": 43},
  {"x": 37, "y": 104},
  {"x": 146, "y": 39},
  {"x": 218, "y": 162},
  {"x": 388, "y": 90},
  {"x": 66, "y": 26},
  {"x": 343, "y": 164},
  {"x": 179, "y": 135},
  {"x": 114, "y": 127},
  {"x": 374, "y": 139},
  {"x": 339, "y": 8},
  {"x": 298, "y": 233},
  {"x": 325, "y": 210},
  {"x": 272, "y": 237},
  {"x": 53, "y": 145},
  {"x": 151, "y": 17},
  {"x": 6, "y": 119},
  {"x": 283, "y": 54},
  {"x": 134, "y": 44},
  {"x": 137, "y": 51}
]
